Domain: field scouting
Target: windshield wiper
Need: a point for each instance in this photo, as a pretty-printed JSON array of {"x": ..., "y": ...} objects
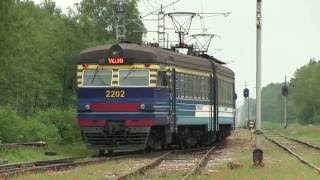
[
  {"x": 95, "y": 74},
  {"x": 99, "y": 77},
  {"x": 128, "y": 74}
]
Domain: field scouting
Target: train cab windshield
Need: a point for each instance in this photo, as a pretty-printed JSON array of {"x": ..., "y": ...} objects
[
  {"x": 97, "y": 78},
  {"x": 133, "y": 77}
]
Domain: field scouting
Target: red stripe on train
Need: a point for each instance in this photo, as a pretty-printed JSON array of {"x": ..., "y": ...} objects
[
  {"x": 140, "y": 122},
  {"x": 92, "y": 122},
  {"x": 131, "y": 107}
]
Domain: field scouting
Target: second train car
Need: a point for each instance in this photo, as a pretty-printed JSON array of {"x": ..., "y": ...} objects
[{"x": 133, "y": 97}]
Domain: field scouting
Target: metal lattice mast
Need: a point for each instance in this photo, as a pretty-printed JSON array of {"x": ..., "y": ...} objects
[
  {"x": 161, "y": 29},
  {"x": 120, "y": 13}
]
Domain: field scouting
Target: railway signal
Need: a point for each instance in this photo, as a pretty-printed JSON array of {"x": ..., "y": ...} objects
[
  {"x": 285, "y": 90},
  {"x": 246, "y": 95},
  {"x": 246, "y": 92},
  {"x": 251, "y": 124}
]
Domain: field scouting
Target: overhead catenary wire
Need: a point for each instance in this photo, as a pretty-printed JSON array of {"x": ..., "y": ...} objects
[
  {"x": 178, "y": 24},
  {"x": 165, "y": 6},
  {"x": 146, "y": 5}
]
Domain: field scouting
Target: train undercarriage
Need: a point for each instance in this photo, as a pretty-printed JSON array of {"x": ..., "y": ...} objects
[{"x": 116, "y": 137}]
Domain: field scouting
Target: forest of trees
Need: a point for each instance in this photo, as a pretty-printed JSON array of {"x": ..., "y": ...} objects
[
  {"x": 303, "y": 101},
  {"x": 39, "y": 46}
]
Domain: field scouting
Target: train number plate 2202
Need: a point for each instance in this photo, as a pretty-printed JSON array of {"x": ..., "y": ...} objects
[{"x": 115, "y": 94}]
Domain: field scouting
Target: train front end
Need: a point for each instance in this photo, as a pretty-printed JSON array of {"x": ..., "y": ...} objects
[{"x": 117, "y": 102}]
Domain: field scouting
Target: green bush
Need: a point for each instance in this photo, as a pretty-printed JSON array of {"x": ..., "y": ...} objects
[
  {"x": 53, "y": 126},
  {"x": 35, "y": 130},
  {"x": 9, "y": 125},
  {"x": 64, "y": 121}
]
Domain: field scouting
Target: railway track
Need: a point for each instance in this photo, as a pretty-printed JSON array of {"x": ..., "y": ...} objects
[
  {"x": 39, "y": 144},
  {"x": 305, "y": 152},
  {"x": 302, "y": 142},
  {"x": 145, "y": 167},
  {"x": 180, "y": 163},
  {"x": 7, "y": 168},
  {"x": 17, "y": 169},
  {"x": 311, "y": 145},
  {"x": 187, "y": 162},
  {"x": 203, "y": 161}
]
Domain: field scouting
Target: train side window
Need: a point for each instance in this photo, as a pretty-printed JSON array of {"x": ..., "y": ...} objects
[
  {"x": 186, "y": 78},
  {"x": 197, "y": 87},
  {"x": 162, "y": 79},
  {"x": 178, "y": 84},
  {"x": 228, "y": 88},
  {"x": 222, "y": 90},
  {"x": 220, "y": 99},
  {"x": 225, "y": 91},
  {"x": 206, "y": 87},
  {"x": 207, "y": 81},
  {"x": 194, "y": 87},
  {"x": 182, "y": 85},
  {"x": 202, "y": 88},
  {"x": 228, "y": 93},
  {"x": 189, "y": 86}
]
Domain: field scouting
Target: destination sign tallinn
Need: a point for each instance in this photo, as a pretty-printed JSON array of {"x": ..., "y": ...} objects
[{"x": 116, "y": 60}]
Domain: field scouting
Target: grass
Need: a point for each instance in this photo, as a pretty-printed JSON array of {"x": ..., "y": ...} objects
[
  {"x": 309, "y": 133},
  {"x": 108, "y": 170},
  {"x": 278, "y": 165},
  {"x": 34, "y": 154}
]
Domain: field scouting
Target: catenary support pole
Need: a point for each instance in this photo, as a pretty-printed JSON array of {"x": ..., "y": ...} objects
[
  {"x": 285, "y": 106},
  {"x": 258, "y": 153}
]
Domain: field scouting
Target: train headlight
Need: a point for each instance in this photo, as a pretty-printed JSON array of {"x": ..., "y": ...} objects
[
  {"x": 87, "y": 107},
  {"x": 142, "y": 106}
]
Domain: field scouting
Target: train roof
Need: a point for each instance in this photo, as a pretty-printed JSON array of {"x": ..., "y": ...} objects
[{"x": 147, "y": 54}]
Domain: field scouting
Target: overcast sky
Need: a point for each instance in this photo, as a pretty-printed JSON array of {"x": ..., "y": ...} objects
[{"x": 291, "y": 34}]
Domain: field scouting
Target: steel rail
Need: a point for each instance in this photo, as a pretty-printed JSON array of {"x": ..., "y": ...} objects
[
  {"x": 191, "y": 150},
  {"x": 297, "y": 140},
  {"x": 292, "y": 153},
  {"x": 200, "y": 164},
  {"x": 301, "y": 141},
  {"x": 59, "y": 166},
  {"x": 142, "y": 169},
  {"x": 36, "y": 163},
  {"x": 40, "y": 144}
]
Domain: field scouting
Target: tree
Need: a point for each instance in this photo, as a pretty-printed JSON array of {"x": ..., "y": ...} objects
[
  {"x": 101, "y": 14},
  {"x": 305, "y": 95}
]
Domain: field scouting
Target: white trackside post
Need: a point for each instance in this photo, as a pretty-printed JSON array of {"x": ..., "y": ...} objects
[{"x": 258, "y": 153}]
